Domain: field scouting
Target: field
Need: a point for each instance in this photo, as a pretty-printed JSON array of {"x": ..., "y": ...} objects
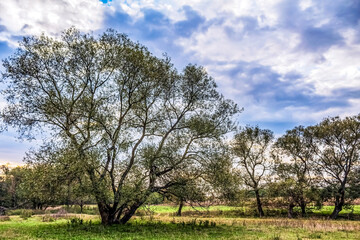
[{"x": 158, "y": 222}]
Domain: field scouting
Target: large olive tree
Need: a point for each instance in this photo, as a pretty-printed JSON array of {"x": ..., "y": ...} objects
[{"x": 130, "y": 120}]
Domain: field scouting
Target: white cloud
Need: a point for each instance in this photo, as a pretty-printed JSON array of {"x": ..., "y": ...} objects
[
  {"x": 339, "y": 71},
  {"x": 24, "y": 17}
]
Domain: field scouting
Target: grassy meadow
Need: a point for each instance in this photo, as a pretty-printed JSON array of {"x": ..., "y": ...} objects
[{"x": 159, "y": 222}]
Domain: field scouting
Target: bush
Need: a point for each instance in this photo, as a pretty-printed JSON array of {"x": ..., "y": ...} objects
[
  {"x": 26, "y": 213},
  {"x": 48, "y": 218},
  {"x": 14, "y": 212},
  {"x": 75, "y": 221}
]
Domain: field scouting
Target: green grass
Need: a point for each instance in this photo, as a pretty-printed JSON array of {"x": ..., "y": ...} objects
[
  {"x": 173, "y": 209},
  {"x": 180, "y": 228}
]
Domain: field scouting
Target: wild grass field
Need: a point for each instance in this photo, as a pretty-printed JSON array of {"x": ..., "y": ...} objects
[{"x": 159, "y": 222}]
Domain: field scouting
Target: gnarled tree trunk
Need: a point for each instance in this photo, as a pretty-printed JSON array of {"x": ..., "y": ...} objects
[{"x": 108, "y": 215}]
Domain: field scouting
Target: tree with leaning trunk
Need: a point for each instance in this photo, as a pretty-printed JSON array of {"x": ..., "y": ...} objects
[
  {"x": 131, "y": 122},
  {"x": 251, "y": 146},
  {"x": 337, "y": 148}
]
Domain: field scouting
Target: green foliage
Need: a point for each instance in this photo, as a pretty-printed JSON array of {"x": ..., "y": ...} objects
[
  {"x": 26, "y": 213},
  {"x": 155, "y": 198}
]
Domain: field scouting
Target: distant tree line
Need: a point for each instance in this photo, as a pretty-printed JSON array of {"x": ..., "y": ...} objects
[
  {"x": 125, "y": 128},
  {"x": 314, "y": 164}
]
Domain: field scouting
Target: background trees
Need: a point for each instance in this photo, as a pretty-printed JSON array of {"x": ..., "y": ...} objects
[
  {"x": 128, "y": 118},
  {"x": 11, "y": 192}
]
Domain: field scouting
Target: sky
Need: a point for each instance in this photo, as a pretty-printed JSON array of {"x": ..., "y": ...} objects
[{"x": 286, "y": 62}]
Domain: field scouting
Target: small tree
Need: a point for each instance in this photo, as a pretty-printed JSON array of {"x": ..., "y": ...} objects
[
  {"x": 222, "y": 177},
  {"x": 293, "y": 157},
  {"x": 337, "y": 148},
  {"x": 190, "y": 192},
  {"x": 251, "y": 146},
  {"x": 204, "y": 187}
]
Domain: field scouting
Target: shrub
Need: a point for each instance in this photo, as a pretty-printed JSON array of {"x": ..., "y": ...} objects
[
  {"x": 75, "y": 221},
  {"x": 48, "y": 218},
  {"x": 26, "y": 213},
  {"x": 14, "y": 212}
]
